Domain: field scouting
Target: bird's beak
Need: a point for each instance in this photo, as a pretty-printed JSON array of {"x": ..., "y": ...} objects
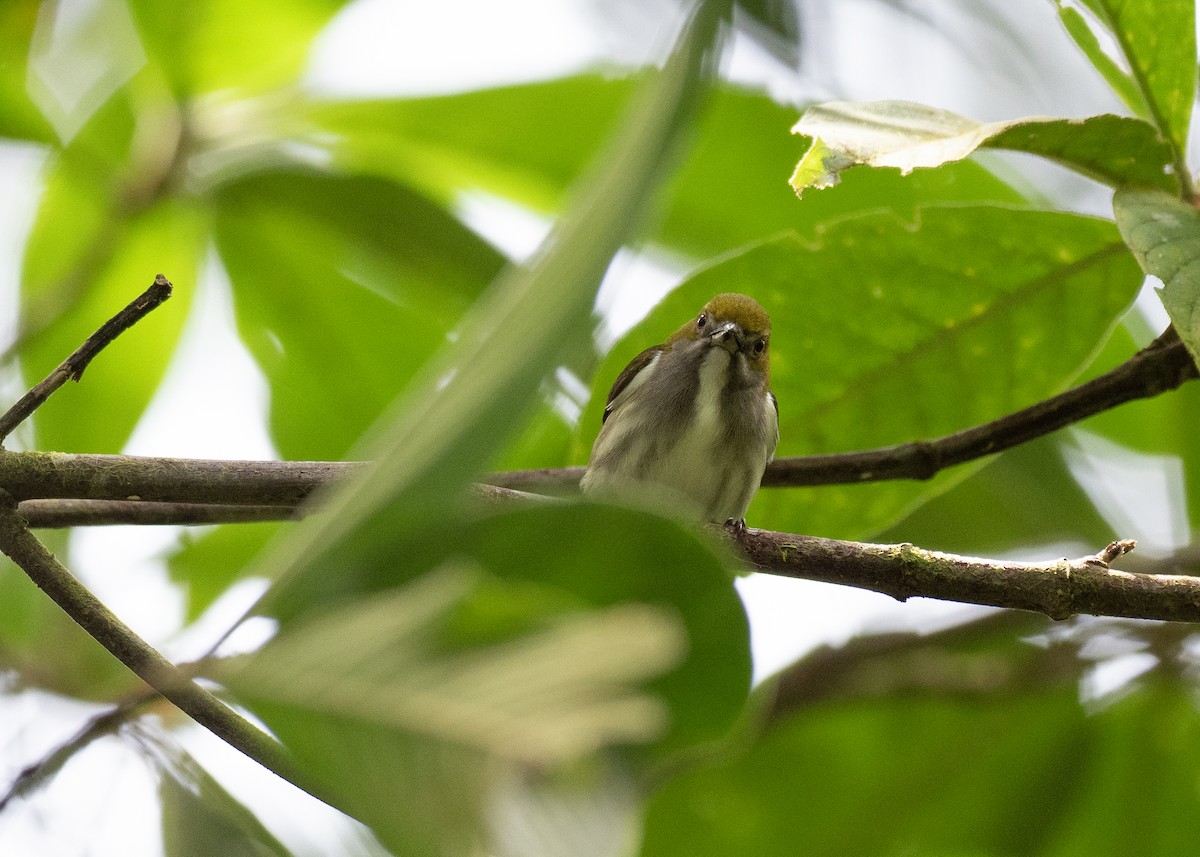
[{"x": 728, "y": 336}]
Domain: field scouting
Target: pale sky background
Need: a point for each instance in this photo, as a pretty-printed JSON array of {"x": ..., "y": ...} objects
[{"x": 385, "y": 47}]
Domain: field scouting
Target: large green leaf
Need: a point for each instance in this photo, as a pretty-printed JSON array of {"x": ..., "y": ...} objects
[
  {"x": 886, "y": 331},
  {"x": 1115, "y": 150},
  {"x": 528, "y": 142},
  {"x": 1164, "y": 233},
  {"x": 211, "y": 45},
  {"x": 80, "y": 215},
  {"x": 1156, "y": 43},
  {"x": 344, "y": 286}
]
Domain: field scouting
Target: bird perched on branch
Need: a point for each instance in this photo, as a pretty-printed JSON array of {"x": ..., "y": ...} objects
[{"x": 692, "y": 423}]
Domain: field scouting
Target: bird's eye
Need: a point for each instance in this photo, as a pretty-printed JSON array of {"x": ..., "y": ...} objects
[
  {"x": 701, "y": 321},
  {"x": 759, "y": 347}
]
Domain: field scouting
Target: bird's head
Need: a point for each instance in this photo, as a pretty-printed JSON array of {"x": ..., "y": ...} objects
[{"x": 736, "y": 323}]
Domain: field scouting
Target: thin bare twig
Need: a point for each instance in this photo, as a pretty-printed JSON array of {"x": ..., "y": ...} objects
[
  {"x": 287, "y": 489},
  {"x": 107, "y": 723},
  {"x": 73, "y": 367},
  {"x": 60, "y": 514}
]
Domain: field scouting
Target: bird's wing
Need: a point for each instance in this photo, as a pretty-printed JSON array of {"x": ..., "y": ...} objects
[{"x": 631, "y": 377}]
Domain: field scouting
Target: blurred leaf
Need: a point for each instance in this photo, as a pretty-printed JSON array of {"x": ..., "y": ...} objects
[
  {"x": 920, "y": 760},
  {"x": 209, "y": 45},
  {"x": 873, "y": 315},
  {"x": 99, "y": 413},
  {"x": 592, "y": 811},
  {"x": 419, "y": 796},
  {"x": 466, "y": 403},
  {"x": 207, "y": 563},
  {"x": 200, "y": 818},
  {"x": 563, "y": 690},
  {"x": 1139, "y": 753},
  {"x": 529, "y": 142},
  {"x": 1156, "y": 42},
  {"x": 80, "y": 57},
  {"x": 79, "y": 215},
  {"x": 898, "y": 722},
  {"x": 608, "y": 556},
  {"x": 344, "y": 286},
  {"x": 539, "y": 651},
  {"x": 19, "y": 118},
  {"x": 1115, "y": 150},
  {"x": 1164, "y": 234},
  {"x": 545, "y": 441},
  {"x": 44, "y": 648}
]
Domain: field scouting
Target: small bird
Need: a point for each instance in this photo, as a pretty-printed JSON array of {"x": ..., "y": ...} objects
[{"x": 693, "y": 422}]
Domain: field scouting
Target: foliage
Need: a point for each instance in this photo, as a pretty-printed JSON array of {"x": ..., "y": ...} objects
[{"x": 462, "y": 680}]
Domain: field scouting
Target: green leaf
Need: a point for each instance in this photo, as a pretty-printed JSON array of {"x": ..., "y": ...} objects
[
  {"x": 899, "y": 729},
  {"x": 1115, "y": 76},
  {"x": 80, "y": 215},
  {"x": 99, "y": 413},
  {"x": 528, "y": 143},
  {"x": 419, "y": 796},
  {"x": 1134, "y": 778},
  {"x": 1164, "y": 234},
  {"x": 209, "y": 45},
  {"x": 469, "y": 400},
  {"x": 19, "y": 118},
  {"x": 343, "y": 286},
  {"x": 1156, "y": 40},
  {"x": 200, "y": 818},
  {"x": 872, "y": 315},
  {"x": 548, "y": 697},
  {"x": 206, "y": 564},
  {"x": 607, "y": 556},
  {"x": 1115, "y": 150}
]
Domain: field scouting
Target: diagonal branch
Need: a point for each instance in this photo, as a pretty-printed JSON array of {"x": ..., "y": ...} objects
[
  {"x": 73, "y": 367},
  {"x": 87, "y": 611}
]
